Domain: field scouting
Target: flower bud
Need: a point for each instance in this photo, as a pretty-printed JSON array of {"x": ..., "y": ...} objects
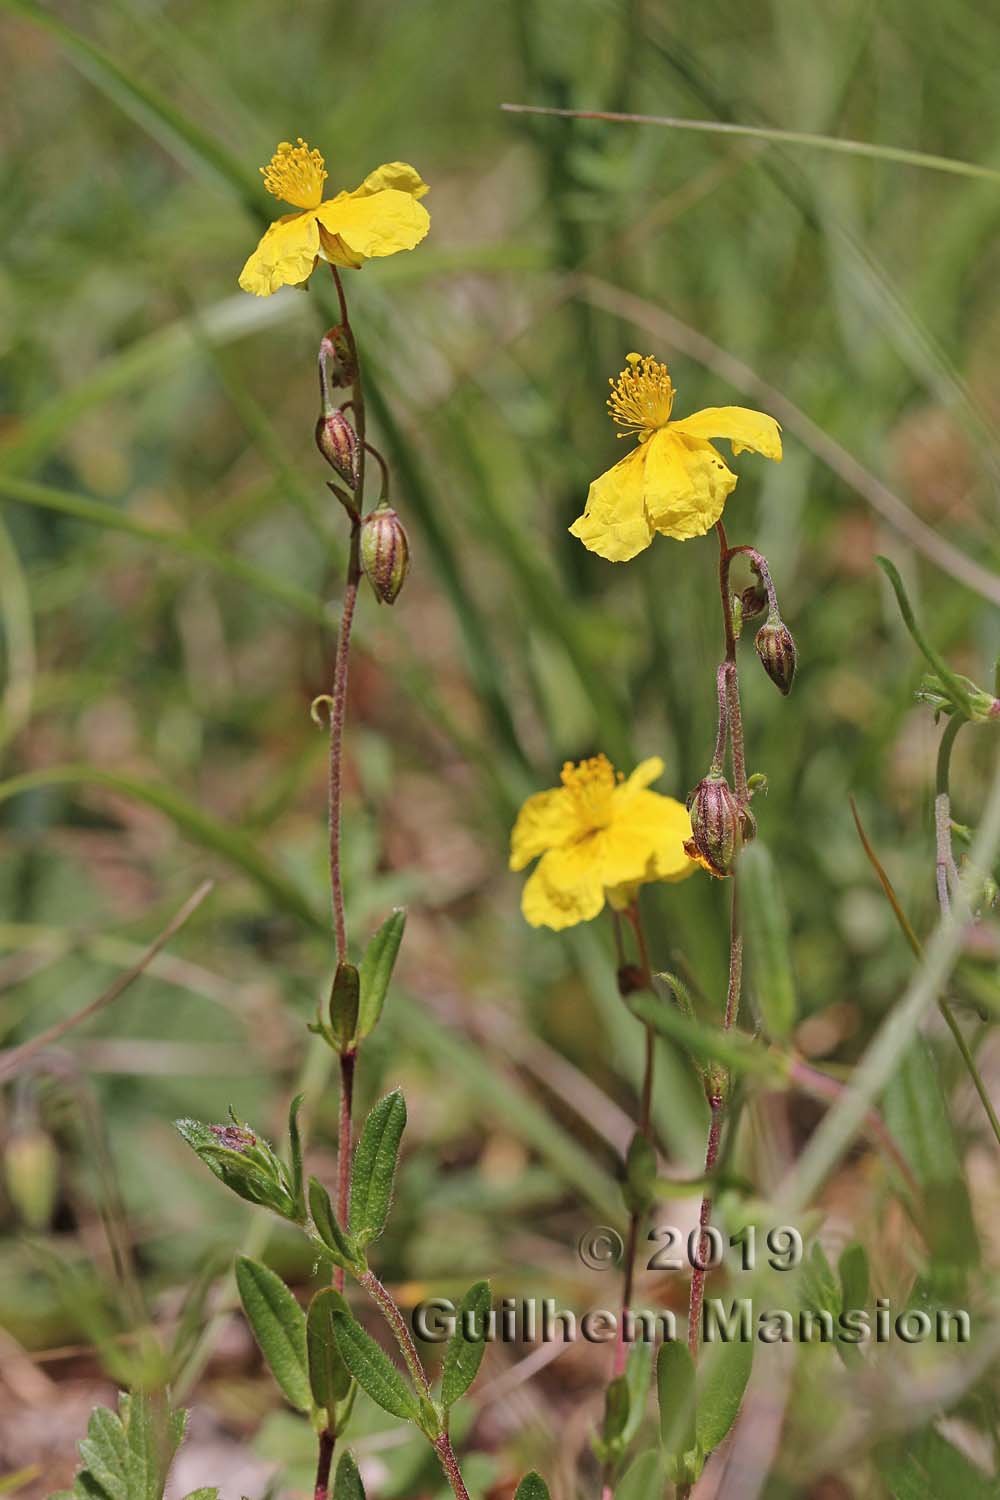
[
  {"x": 31, "y": 1171},
  {"x": 338, "y": 357},
  {"x": 716, "y": 824},
  {"x": 753, "y": 601},
  {"x": 338, "y": 443},
  {"x": 385, "y": 553},
  {"x": 776, "y": 650}
]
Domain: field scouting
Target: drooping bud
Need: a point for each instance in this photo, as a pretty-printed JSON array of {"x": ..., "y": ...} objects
[
  {"x": 753, "y": 601},
  {"x": 31, "y": 1172},
  {"x": 337, "y": 356},
  {"x": 338, "y": 443},
  {"x": 385, "y": 553},
  {"x": 717, "y": 825},
  {"x": 776, "y": 650}
]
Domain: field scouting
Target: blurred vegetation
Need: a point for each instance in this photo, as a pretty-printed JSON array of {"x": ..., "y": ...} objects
[{"x": 169, "y": 560}]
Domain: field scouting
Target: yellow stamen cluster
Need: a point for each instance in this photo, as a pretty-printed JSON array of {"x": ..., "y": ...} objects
[
  {"x": 296, "y": 175},
  {"x": 642, "y": 397},
  {"x": 590, "y": 784}
]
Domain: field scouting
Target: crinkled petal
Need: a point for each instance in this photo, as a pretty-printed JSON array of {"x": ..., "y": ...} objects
[
  {"x": 375, "y": 224},
  {"x": 614, "y": 523},
  {"x": 686, "y": 484},
  {"x": 285, "y": 256},
  {"x": 564, "y": 889},
  {"x": 646, "y": 772},
  {"x": 747, "y": 430},
  {"x": 393, "y": 174},
  {"x": 645, "y": 840},
  {"x": 545, "y": 821}
]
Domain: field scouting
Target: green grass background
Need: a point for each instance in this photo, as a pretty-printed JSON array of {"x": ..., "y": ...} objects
[{"x": 169, "y": 566}]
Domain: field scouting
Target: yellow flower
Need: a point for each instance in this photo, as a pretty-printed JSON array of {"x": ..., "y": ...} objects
[
  {"x": 599, "y": 836},
  {"x": 674, "y": 481},
  {"x": 378, "y": 218}
]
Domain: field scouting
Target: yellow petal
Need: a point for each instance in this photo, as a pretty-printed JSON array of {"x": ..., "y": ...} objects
[
  {"x": 394, "y": 174},
  {"x": 645, "y": 840},
  {"x": 546, "y": 820},
  {"x": 747, "y": 430},
  {"x": 686, "y": 484},
  {"x": 614, "y": 523},
  {"x": 375, "y": 224},
  {"x": 563, "y": 890},
  {"x": 645, "y": 772},
  {"x": 285, "y": 256}
]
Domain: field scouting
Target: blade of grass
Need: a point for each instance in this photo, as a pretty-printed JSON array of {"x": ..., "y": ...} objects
[
  {"x": 900, "y": 154},
  {"x": 229, "y": 843},
  {"x": 13, "y": 1061}
]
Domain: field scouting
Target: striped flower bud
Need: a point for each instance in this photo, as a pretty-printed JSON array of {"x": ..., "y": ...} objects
[
  {"x": 338, "y": 443},
  {"x": 385, "y": 553},
  {"x": 716, "y": 825},
  {"x": 776, "y": 650}
]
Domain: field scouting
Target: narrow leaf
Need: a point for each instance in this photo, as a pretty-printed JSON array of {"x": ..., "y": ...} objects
[
  {"x": 467, "y": 1344},
  {"x": 279, "y": 1326},
  {"x": 644, "y": 1479},
  {"x": 532, "y": 1487},
  {"x": 956, "y": 690},
  {"x": 675, "y": 1392},
  {"x": 727, "y": 1370},
  {"x": 373, "y": 1370},
  {"x": 341, "y": 1248},
  {"x": 329, "y": 1377},
  {"x": 343, "y": 1008},
  {"x": 616, "y": 1408},
  {"x": 347, "y": 1485},
  {"x": 638, "y": 1373},
  {"x": 766, "y": 923},
  {"x": 295, "y": 1149},
  {"x": 376, "y": 969},
  {"x": 375, "y": 1167},
  {"x": 852, "y": 1269}
]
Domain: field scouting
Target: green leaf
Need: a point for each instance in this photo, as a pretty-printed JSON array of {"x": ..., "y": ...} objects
[
  {"x": 766, "y": 925},
  {"x": 343, "y": 1009},
  {"x": 295, "y": 1150},
  {"x": 243, "y": 1161},
  {"x": 640, "y": 1174},
  {"x": 638, "y": 1373},
  {"x": 819, "y": 1289},
  {"x": 675, "y": 1391},
  {"x": 341, "y": 1247},
  {"x": 329, "y": 1378},
  {"x": 644, "y": 1479},
  {"x": 373, "y": 1370},
  {"x": 464, "y": 1354},
  {"x": 210, "y": 1494},
  {"x": 950, "y": 682},
  {"x": 732, "y": 1048},
  {"x": 727, "y": 1370},
  {"x": 616, "y": 1409},
  {"x": 347, "y": 1485},
  {"x": 279, "y": 1326},
  {"x": 532, "y": 1487},
  {"x": 915, "y": 1110},
  {"x": 376, "y": 969},
  {"x": 126, "y": 1456},
  {"x": 852, "y": 1269},
  {"x": 375, "y": 1167}
]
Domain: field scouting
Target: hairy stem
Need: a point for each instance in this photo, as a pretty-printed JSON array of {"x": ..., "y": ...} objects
[
  {"x": 383, "y": 1298},
  {"x": 327, "y": 1439},
  {"x": 344, "y": 1143},
  {"x": 449, "y": 1463}
]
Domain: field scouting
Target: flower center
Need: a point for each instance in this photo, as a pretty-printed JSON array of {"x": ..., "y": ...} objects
[
  {"x": 642, "y": 397},
  {"x": 590, "y": 785},
  {"x": 296, "y": 175}
]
